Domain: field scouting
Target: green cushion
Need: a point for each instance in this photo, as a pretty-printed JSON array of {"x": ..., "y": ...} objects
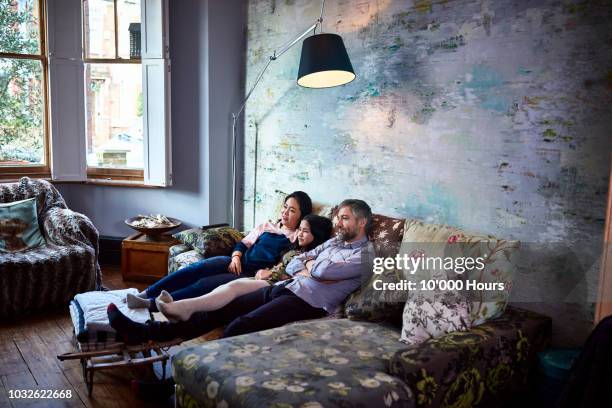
[
  {"x": 19, "y": 229},
  {"x": 372, "y": 305},
  {"x": 210, "y": 242}
]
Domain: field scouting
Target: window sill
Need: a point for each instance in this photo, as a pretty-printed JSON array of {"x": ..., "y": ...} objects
[
  {"x": 11, "y": 175},
  {"x": 97, "y": 182},
  {"x": 106, "y": 182}
]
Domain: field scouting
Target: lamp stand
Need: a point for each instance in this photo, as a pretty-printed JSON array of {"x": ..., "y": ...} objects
[{"x": 236, "y": 115}]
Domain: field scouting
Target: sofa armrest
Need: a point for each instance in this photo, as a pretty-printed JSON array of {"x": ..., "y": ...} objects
[
  {"x": 205, "y": 227},
  {"x": 487, "y": 362},
  {"x": 175, "y": 250},
  {"x": 66, "y": 227},
  {"x": 63, "y": 226}
]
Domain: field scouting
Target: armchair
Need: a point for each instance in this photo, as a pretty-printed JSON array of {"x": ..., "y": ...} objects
[{"x": 49, "y": 275}]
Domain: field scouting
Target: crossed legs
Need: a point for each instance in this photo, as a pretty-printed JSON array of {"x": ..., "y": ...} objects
[
  {"x": 265, "y": 308},
  {"x": 181, "y": 310}
]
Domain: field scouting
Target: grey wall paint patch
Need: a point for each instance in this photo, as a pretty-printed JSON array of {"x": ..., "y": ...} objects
[{"x": 492, "y": 116}]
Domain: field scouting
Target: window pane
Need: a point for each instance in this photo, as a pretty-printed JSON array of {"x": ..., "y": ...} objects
[
  {"x": 128, "y": 14},
  {"x": 114, "y": 115},
  {"x": 99, "y": 28},
  {"x": 21, "y": 112},
  {"x": 19, "y": 26}
]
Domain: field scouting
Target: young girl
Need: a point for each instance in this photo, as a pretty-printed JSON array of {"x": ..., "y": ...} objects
[
  {"x": 261, "y": 248},
  {"x": 313, "y": 231}
]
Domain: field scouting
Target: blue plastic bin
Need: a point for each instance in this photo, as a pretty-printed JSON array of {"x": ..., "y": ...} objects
[{"x": 554, "y": 367}]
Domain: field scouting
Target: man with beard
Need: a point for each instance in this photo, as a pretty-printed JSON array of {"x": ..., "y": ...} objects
[{"x": 321, "y": 280}]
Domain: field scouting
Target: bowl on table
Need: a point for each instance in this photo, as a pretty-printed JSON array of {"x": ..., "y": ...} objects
[{"x": 153, "y": 232}]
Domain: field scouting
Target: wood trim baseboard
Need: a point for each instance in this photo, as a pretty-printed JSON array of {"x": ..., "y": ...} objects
[{"x": 110, "y": 250}]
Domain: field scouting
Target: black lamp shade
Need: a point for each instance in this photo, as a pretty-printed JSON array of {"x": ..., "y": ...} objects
[{"x": 324, "y": 62}]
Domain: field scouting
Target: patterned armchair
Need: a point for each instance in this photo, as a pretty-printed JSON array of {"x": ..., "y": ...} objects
[{"x": 49, "y": 275}]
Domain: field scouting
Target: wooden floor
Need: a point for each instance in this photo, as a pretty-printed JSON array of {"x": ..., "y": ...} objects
[{"x": 28, "y": 360}]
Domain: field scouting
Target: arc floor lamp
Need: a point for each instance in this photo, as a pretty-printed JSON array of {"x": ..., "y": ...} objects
[{"x": 324, "y": 63}]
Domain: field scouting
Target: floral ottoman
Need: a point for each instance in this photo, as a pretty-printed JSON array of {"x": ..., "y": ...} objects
[
  {"x": 345, "y": 363},
  {"x": 313, "y": 364}
]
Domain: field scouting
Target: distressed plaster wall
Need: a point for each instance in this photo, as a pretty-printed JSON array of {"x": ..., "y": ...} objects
[{"x": 494, "y": 116}]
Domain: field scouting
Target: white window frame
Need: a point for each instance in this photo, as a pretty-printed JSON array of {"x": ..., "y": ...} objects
[{"x": 67, "y": 94}]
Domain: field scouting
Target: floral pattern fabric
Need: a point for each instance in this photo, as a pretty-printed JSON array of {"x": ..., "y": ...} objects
[
  {"x": 427, "y": 317},
  {"x": 179, "y": 249},
  {"x": 343, "y": 363},
  {"x": 315, "y": 364},
  {"x": 278, "y": 270},
  {"x": 386, "y": 235},
  {"x": 210, "y": 242},
  {"x": 49, "y": 275},
  {"x": 431, "y": 240},
  {"x": 369, "y": 304},
  {"x": 182, "y": 259},
  {"x": 480, "y": 367}
]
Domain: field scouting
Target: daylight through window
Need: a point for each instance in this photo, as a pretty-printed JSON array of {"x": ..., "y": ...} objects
[
  {"x": 113, "y": 88},
  {"x": 23, "y": 85}
]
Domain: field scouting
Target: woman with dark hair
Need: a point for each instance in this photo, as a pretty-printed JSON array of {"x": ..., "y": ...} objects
[
  {"x": 313, "y": 231},
  {"x": 260, "y": 249}
]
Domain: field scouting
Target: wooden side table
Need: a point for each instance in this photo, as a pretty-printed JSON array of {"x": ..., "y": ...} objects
[{"x": 144, "y": 259}]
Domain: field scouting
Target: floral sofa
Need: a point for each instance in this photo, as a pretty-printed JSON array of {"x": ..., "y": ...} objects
[
  {"x": 359, "y": 361},
  {"x": 49, "y": 275}
]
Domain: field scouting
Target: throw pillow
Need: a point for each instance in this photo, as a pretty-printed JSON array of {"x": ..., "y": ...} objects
[
  {"x": 499, "y": 269},
  {"x": 431, "y": 240},
  {"x": 210, "y": 242},
  {"x": 386, "y": 234},
  {"x": 431, "y": 315},
  {"x": 19, "y": 229},
  {"x": 183, "y": 259},
  {"x": 370, "y": 304}
]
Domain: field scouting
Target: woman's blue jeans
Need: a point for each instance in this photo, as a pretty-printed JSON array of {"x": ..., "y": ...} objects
[{"x": 196, "y": 279}]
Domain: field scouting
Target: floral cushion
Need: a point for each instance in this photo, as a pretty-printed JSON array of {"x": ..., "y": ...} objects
[
  {"x": 386, "y": 234},
  {"x": 428, "y": 316},
  {"x": 176, "y": 262},
  {"x": 431, "y": 240},
  {"x": 210, "y": 242},
  {"x": 371, "y": 305},
  {"x": 313, "y": 364},
  {"x": 178, "y": 249}
]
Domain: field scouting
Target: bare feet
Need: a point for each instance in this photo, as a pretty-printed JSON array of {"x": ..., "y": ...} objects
[
  {"x": 174, "y": 311},
  {"x": 164, "y": 297}
]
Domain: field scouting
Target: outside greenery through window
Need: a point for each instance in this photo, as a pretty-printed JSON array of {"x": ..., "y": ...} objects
[
  {"x": 22, "y": 85},
  {"x": 113, "y": 85}
]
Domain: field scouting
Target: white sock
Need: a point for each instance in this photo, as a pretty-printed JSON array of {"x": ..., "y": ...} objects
[{"x": 135, "y": 302}]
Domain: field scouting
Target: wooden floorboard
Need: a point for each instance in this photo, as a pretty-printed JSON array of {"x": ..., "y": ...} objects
[{"x": 28, "y": 350}]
